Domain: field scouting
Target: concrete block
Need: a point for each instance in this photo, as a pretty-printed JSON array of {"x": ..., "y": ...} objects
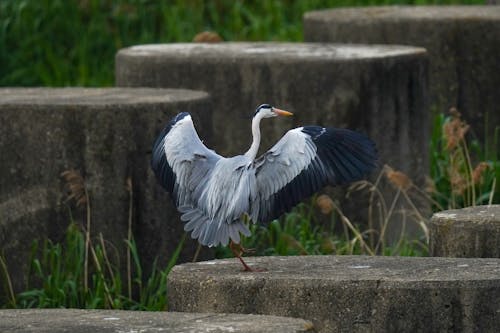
[
  {"x": 469, "y": 232},
  {"x": 349, "y": 293},
  {"x": 462, "y": 41},
  {"x": 379, "y": 90},
  {"x": 107, "y": 135},
  {"x": 104, "y": 321}
]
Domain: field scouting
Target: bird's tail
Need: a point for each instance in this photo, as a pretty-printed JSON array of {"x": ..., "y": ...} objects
[{"x": 210, "y": 232}]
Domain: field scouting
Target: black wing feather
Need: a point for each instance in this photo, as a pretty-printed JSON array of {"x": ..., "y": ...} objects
[
  {"x": 159, "y": 164},
  {"x": 342, "y": 156}
]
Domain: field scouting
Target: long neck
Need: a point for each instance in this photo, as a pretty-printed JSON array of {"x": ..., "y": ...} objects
[{"x": 254, "y": 148}]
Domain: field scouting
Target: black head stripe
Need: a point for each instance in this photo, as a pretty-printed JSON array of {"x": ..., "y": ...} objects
[{"x": 262, "y": 106}]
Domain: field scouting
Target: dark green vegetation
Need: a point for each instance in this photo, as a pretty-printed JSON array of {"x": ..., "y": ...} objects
[
  {"x": 61, "y": 43},
  {"x": 66, "y": 275}
]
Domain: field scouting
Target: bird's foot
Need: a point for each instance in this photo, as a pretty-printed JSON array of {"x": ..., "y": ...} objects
[
  {"x": 238, "y": 251},
  {"x": 247, "y": 268}
]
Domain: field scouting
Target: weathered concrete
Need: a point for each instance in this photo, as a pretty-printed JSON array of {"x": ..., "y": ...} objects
[
  {"x": 349, "y": 293},
  {"x": 379, "y": 90},
  {"x": 106, "y": 321},
  {"x": 469, "y": 232},
  {"x": 107, "y": 134},
  {"x": 462, "y": 41}
]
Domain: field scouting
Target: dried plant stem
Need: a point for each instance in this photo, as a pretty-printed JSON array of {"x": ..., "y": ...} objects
[
  {"x": 421, "y": 219},
  {"x": 471, "y": 170},
  {"x": 357, "y": 234},
  {"x": 78, "y": 191},
  {"x": 403, "y": 232},
  {"x": 10, "y": 289},
  {"x": 492, "y": 193},
  {"x": 370, "y": 207},
  {"x": 427, "y": 196},
  {"x": 197, "y": 253},
  {"x": 129, "y": 236},
  {"x": 87, "y": 244},
  {"x": 381, "y": 239},
  {"x": 459, "y": 160},
  {"x": 467, "y": 196},
  {"x": 99, "y": 270},
  {"x": 381, "y": 205},
  {"x": 105, "y": 254},
  {"x": 346, "y": 230}
]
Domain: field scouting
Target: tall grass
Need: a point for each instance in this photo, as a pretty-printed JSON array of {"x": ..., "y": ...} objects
[
  {"x": 62, "y": 43},
  {"x": 464, "y": 172},
  {"x": 57, "y": 277},
  {"x": 85, "y": 272}
]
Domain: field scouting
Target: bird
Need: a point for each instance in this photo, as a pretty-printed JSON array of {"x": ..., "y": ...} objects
[{"x": 216, "y": 194}]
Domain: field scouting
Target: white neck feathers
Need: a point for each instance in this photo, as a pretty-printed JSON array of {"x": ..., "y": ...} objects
[{"x": 254, "y": 148}]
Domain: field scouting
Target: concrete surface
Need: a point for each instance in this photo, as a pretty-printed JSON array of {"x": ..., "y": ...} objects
[
  {"x": 462, "y": 41},
  {"x": 349, "y": 293},
  {"x": 106, "y": 321},
  {"x": 469, "y": 232},
  {"x": 105, "y": 133}
]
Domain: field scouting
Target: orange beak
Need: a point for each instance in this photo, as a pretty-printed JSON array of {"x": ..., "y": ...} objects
[{"x": 282, "y": 112}]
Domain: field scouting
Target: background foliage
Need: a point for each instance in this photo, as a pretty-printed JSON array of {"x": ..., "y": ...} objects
[{"x": 73, "y": 42}]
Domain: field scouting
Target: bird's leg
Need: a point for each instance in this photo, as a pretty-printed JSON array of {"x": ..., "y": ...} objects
[
  {"x": 238, "y": 250},
  {"x": 246, "y": 218}
]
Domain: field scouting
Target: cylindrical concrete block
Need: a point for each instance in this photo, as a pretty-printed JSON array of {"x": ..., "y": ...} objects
[
  {"x": 103, "y": 321},
  {"x": 107, "y": 134},
  {"x": 348, "y": 293},
  {"x": 379, "y": 90},
  {"x": 469, "y": 232},
  {"x": 463, "y": 44}
]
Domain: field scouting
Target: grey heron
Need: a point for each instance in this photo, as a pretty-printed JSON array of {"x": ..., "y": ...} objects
[{"x": 213, "y": 193}]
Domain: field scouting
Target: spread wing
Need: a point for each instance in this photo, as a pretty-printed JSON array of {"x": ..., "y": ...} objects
[
  {"x": 305, "y": 160},
  {"x": 185, "y": 168},
  {"x": 181, "y": 161}
]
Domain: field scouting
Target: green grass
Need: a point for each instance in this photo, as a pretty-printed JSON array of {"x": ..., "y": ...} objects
[
  {"x": 62, "y": 43},
  {"x": 298, "y": 234},
  {"x": 85, "y": 271},
  {"x": 56, "y": 278}
]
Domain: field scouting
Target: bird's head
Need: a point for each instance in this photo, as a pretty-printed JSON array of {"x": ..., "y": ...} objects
[{"x": 268, "y": 111}]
